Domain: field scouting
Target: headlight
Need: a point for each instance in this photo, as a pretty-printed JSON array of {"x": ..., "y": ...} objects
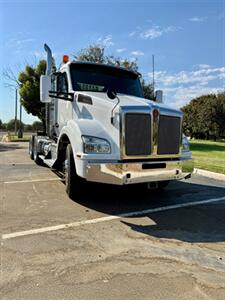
[
  {"x": 95, "y": 145},
  {"x": 185, "y": 144}
]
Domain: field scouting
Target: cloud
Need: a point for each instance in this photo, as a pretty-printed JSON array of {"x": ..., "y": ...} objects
[
  {"x": 198, "y": 19},
  {"x": 19, "y": 43},
  {"x": 179, "y": 96},
  {"x": 157, "y": 31},
  {"x": 171, "y": 29},
  {"x": 120, "y": 50},
  {"x": 137, "y": 53},
  {"x": 23, "y": 41},
  {"x": 39, "y": 54},
  {"x": 151, "y": 33},
  {"x": 181, "y": 87},
  {"x": 201, "y": 76},
  {"x": 202, "y": 66},
  {"x": 132, "y": 33},
  {"x": 106, "y": 41}
]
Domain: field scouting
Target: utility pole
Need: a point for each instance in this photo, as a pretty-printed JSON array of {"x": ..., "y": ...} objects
[
  {"x": 16, "y": 112},
  {"x": 153, "y": 73},
  {"x": 20, "y": 132}
]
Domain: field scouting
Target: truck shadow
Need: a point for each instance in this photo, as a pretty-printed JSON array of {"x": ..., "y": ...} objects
[
  {"x": 9, "y": 147},
  {"x": 203, "y": 223}
]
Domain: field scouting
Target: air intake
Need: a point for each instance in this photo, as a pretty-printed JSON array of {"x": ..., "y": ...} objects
[
  {"x": 169, "y": 135},
  {"x": 137, "y": 134}
]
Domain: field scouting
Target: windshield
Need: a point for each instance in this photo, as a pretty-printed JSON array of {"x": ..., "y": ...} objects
[{"x": 99, "y": 78}]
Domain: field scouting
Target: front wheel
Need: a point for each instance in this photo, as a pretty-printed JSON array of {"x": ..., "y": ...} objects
[{"x": 72, "y": 181}]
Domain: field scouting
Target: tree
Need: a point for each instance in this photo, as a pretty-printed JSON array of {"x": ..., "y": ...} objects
[
  {"x": 148, "y": 90},
  {"x": 11, "y": 125},
  {"x": 96, "y": 53},
  {"x": 2, "y": 125},
  {"x": 28, "y": 127},
  {"x": 204, "y": 117},
  {"x": 10, "y": 79},
  {"x": 29, "y": 81},
  {"x": 37, "y": 126},
  {"x": 220, "y": 114},
  {"x": 92, "y": 54}
]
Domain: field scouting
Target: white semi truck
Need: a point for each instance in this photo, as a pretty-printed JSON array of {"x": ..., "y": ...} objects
[{"x": 100, "y": 128}]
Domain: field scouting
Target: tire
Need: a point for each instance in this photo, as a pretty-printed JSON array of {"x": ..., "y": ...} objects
[
  {"x": 73, "y": 182},
  {"x": 31, "y": 145},
  {"x": 36, "y": 157}
]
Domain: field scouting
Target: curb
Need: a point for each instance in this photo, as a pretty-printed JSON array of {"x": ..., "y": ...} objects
[{"x": 209, "y": 174}]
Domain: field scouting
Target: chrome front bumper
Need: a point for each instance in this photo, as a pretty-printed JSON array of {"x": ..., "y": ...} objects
[{"x": 129, "y": 173}]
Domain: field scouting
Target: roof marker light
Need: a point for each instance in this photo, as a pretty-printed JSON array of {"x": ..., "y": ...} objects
[{"x": 65, "y": 58}]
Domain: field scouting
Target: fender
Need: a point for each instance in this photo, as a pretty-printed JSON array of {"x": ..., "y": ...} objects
[{"x": 74, "y": 130}]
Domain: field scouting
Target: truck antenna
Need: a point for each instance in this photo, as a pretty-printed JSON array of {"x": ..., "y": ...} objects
[{"x": 153, "y": 73}]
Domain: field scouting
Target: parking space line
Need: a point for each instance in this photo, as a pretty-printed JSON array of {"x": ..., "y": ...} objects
[
  {"x": 13, "y": 164},
  {"x": 109, "y": 218},
  {"x": 32, "y": 180}
]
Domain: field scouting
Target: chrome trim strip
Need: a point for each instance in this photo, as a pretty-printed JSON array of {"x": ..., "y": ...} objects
[{"x": 155, "y": 131}]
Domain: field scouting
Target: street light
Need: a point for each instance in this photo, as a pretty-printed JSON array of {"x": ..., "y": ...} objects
[
  {"x": 20, "y": 132},
  {"x": 16, "y": 112}
]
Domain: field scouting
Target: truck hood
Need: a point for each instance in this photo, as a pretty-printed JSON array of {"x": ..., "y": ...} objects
[{"x": 130, "y": 101}]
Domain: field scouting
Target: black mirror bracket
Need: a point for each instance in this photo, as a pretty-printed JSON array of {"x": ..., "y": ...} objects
[{"x": 61, "y": 95}]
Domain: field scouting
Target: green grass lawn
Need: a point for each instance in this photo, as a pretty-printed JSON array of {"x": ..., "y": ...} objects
[
  {"x": 15, "y": 138},
  {"x": 209, "y": 155}
]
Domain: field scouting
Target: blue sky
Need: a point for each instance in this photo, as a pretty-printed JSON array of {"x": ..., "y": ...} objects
[{"x": 186, "y": 37}]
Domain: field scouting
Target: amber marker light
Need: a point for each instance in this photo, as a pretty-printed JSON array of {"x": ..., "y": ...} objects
[{"x": 65, "y": 58}]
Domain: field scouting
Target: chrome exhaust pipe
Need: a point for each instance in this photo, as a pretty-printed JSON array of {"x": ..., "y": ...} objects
[{"x": 49, "y": 59}]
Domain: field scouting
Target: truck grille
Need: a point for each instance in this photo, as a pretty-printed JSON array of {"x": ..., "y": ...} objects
[
  {"x": 169, "y": 135},
  {"x": 138, "y": 134}
]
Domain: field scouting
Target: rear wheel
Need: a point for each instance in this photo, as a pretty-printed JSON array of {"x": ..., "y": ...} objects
[
  {"x": 72, "y": 181},
  {"x": 31, "y": 146},
  {"x": 36, "y": 157}
]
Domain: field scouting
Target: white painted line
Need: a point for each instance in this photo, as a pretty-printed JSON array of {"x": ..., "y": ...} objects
[
  {"x": 32, "y": 180},
  {"x": 108, "y": 218},
  {"x": 19, "y": 163}
]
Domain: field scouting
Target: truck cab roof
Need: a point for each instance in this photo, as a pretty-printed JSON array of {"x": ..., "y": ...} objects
[{"x": 87, "y": 63}]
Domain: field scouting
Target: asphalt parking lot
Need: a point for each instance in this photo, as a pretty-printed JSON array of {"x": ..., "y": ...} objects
[{"x": 110, "y": 242}]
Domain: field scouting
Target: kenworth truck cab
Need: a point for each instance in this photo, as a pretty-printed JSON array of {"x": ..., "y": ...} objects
[{"x": 99, "y": 127}]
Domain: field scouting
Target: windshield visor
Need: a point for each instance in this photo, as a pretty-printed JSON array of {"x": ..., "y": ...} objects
[{"x": 100, "y": 78}]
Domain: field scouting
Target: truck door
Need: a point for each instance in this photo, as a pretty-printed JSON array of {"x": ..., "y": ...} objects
[{"x": 64, "y": 108}]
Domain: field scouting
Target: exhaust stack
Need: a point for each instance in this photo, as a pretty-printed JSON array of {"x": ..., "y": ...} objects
[{"x": 49, "y": 59}]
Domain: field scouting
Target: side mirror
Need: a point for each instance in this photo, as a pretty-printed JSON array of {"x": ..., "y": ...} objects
[
  {"x": 111, "y": 94},
  {"x": 45, "y": 86},
  {"x": 159, "y": 96}
]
